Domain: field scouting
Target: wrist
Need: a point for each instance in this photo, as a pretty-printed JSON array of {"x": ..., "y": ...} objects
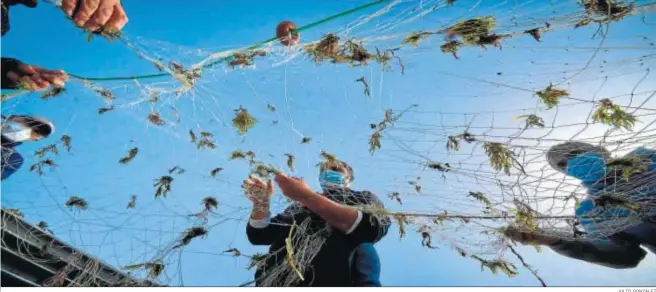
[{"x": 261, "y": 205}]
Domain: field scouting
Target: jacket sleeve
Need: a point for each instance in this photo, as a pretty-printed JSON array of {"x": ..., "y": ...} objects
[
  {"x": 616, "y": 255},
  {"x": 265, "y": 232},
  {"x": 369, "y": 227}
]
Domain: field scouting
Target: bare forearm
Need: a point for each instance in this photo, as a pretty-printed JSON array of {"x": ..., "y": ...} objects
[{"x": 339, "y": 216}]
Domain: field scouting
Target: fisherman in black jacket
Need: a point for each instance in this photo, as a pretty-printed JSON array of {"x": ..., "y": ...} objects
[{"x": 344, "y": 256}]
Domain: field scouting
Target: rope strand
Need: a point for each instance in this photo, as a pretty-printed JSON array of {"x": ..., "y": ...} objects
[{"x": 250, "y": 48}]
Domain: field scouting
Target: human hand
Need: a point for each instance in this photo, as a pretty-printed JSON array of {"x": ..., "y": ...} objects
[
  {"x": 23, "y": 76},
  {"x": 94, "y": 15},
  {"x": 292, "y": 187},
  {"x": 528, "y": 238},
  {"x": 257, "y": 191}
]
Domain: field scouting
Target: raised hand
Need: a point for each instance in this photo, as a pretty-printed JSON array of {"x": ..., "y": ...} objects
[
  {"x": 29, "y": 77},
  {"x": 257, "y": 191},
  {"x": 527, "y": 237},
  {"x": 94, "y": 15},
  {"x": 293, "y": 188}
]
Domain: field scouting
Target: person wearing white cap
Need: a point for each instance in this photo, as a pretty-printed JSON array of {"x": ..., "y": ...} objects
[{"x": 16, "y": 130}]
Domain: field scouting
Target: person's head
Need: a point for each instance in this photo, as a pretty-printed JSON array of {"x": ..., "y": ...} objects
[
  {"x": 335, "y": 174},
  {"x": 26, "y": 128},
  {"x": 41, "y": 130},
  {"x": 39, "y": 127},
  {"x": 581, "y": 160}
]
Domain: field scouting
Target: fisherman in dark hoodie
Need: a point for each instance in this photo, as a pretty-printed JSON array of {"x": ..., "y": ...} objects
[{"x": 346, "y": 256}]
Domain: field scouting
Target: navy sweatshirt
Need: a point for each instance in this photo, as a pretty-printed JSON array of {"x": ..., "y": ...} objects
[{"x": 344, "y": 260}]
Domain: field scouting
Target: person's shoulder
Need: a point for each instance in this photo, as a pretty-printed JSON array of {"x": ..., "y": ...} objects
[
  {"x": 362, "y": 193},
  {"x": 8, "y": 143},
  {"x": 365, "y": 196}
]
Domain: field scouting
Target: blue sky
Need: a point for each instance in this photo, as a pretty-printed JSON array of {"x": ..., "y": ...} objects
[{"x": 320, "y": 101}]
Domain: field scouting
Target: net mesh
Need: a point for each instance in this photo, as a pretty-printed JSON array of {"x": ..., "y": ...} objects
[{"x": 445, "y": 109}]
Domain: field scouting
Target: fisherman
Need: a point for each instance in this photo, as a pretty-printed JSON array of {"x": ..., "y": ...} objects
[
  {"x": 608, "y": 240},
  {"x": 347, "y": 258}
]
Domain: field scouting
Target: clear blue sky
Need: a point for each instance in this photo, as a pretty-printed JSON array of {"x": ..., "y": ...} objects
[{"x": 324, "y": 103}]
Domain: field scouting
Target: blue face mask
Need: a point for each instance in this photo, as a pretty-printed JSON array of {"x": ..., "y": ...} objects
[
  {"x": 330, "y": 178},
  {"x": 588, "y": 167}
]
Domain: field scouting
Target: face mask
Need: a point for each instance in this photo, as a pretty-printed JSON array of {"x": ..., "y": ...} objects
[
  {"x": 588, "y": 167},
  {"x": 330, "y": 178},
  {"x": 19, "y": 136}
]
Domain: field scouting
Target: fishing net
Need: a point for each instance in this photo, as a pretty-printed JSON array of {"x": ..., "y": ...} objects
[{"x": 445, "y": 109}]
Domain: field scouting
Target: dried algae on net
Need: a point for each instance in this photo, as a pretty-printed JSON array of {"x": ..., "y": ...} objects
[
  {"x": 243, "y": 120},
  {"x": 190, "y": 234},
  {"x": 501, "y": 158},
  {"x": 53, "y": 92},
  {"x": 290, "y": 161},
  {"x": 38, "y": 167},
  {"x": 327, "y": 47},
  {"x": 133, "y": 202},
  {"x": 155, "y": 119},
  {"x": 611, "y": 114},
  {"x": 628, "y": 165},
  {"x": 390, "y": 118},
  {"x": 472, "y": 28},
  {"x": 453, "y": 142},
  {"x": 66, "y": 140},
  {"x": 45, "y": 150},
  {"x": 245, "y": 58},
  {"x": 551, "y": 96},
  {"x": 532, "y": 121},
  {"x": 205, "y": 141},
  {"x": 210, "y": 203},
  {"x": 215, "y": 171},
  {"x": 604, "y": 11},
  {"x": 162, "y": 186},
  {"x": 131, "y": 155},
  {"x": 76, "y": 202},
  {"x": 154, "y": 268},
  {"x": 177, "y": 170}
]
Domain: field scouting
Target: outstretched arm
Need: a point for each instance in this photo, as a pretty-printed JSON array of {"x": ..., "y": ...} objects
[
  {"x": 613, "y": 254},
  {"x": 618, "y": 254},
  {"x": 359, "y": 226}
]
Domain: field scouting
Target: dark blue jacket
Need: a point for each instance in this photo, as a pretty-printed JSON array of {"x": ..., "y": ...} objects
[
  {"x": 365, "y": 266},
  {"x": 341, "y": 259},
  {"x": 11, "y": 159}
]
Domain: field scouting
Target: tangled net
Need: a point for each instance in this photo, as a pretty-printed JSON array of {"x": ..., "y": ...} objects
[{"x": 485, "y": 91}]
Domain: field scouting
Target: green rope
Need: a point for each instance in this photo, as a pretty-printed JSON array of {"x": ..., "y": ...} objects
[{"x": 249, "y": 48}]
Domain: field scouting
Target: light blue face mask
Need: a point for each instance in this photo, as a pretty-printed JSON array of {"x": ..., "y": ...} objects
[
  {"x": 588, "y": 167},
  {"x": 16, "y": 132},
  {"x": 331, "y": 178}
]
